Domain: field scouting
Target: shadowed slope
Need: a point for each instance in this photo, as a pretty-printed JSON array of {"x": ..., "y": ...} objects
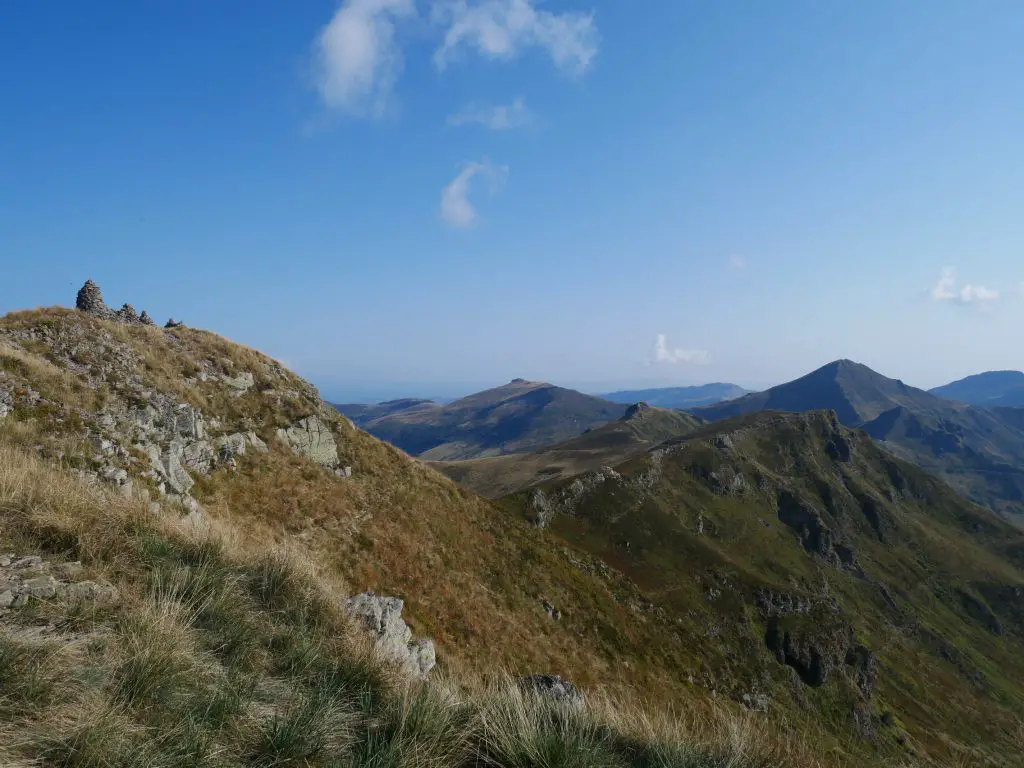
[{"x": 991, "y": 389}]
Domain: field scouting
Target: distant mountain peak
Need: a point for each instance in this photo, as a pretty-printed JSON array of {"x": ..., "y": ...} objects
[{"x": 635, "y": 411}]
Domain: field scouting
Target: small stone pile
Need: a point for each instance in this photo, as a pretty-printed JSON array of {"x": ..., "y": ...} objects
[{"x": 90, "y": 301}]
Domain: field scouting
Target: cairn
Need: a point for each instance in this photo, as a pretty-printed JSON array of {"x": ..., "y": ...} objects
[
  {"x": 90, "y": 301},
  {"x": 127, "y": 314}
]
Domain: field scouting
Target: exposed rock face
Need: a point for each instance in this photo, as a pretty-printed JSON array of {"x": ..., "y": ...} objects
[
  {"x": 312, "y": 437},
  {"x": 241, "y": 383},
  {"x": 90, "y": 301},
  {"x": 145, "y": 319},
  {"x": 551, "y": 686},
  {"x": 26, "y": 578},
  {"x": 382, "y": 616},
  {"x": 6, "y": 403}
]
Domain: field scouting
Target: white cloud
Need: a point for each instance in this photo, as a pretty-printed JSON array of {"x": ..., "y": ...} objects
[
  {"x": 737, "y": 263},
  {"x": 356, "y": 57},
  {"x": 673, "y": 355},
  {"x": 456, "y": 209},
  {"x": 497, "y": 118},
  {"x": 947, "y": 289},
  {"x": 502, "y": 29}
]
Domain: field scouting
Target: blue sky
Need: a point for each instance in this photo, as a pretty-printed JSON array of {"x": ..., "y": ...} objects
[{"x": 431, "y": 196}]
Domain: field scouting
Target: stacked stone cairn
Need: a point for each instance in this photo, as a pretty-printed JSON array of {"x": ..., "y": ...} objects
[{"x": 90, "y": 301}]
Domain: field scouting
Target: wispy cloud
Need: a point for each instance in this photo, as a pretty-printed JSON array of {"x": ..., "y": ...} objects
[
  {"x": 947, "y": 288},
  {"x": 502, "y": 29},
  {"x": 737, "y": 263},
  {"x": 663, "y": 353},
  {"x": 356, "y": 57},
  {"x": 456, "y": 209},
  {"x": 498, "y": 117}
]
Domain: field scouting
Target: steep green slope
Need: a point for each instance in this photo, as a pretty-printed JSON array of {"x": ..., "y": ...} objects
[
  {"x": 641, "y": 428},
  {"x": 979, "y": 451},
  {"x": 797, "y": 563},
  {"x": 520, "y": 416}
]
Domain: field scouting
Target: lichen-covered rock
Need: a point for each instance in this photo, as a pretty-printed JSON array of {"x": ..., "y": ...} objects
[
  {"x": 256, "y": 443},
  {"x": 382, "y": 616},
  {"x": 241, "y": 383},
  {"x": 312, "y": 437},
  {"x": 230, "y": 446},
  {"x": 23, "y": 579},
  {"x": 177, "y": 477},
  {"x": 6, "y": 403},
  {"x": 185, "y": 421},
  {"x": 198, "y": 456}
]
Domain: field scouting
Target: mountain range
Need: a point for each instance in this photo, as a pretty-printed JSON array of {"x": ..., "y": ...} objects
[
  {"x": 991, "y": 389},
  {"x": 519, "y": 416},
  {"x": 977, "y": 450},
  {"x": 678, "y": 397}
]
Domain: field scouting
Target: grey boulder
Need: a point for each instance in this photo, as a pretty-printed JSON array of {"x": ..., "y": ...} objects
[
  {"x": 382, "y": 617},
  {"x": 311, "y": 437}
]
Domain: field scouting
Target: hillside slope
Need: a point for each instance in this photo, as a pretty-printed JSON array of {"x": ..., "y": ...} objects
[
  {"x": 520, "y": 416},
  {"x": 790, "y": 547},
  {"x": 991, "y": 389},
  {"x": 640, "y": 428},
  {"x": 663, "y": 591},
  {"x": 679, "y": 397},
  {"x": 978, "y": 450}
]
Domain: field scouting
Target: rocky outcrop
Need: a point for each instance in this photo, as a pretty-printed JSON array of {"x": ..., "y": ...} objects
[
  {"x": 382, "y": 616},
  {"x": 241, "y": 383},
  {"x": 6, "y": 403},
  {"x": 145, "y": 319},
  {"x": 27, "y": 578},
  {"x": 312, "y": 437}
]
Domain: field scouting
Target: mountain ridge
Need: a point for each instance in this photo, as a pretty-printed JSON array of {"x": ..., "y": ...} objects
[
  {"x": 979, "y": 451},
  {"x": 640, "y": 428},
  {"x": 991, "y": 389},
  {"x": 516, "y": 417},
  {"x": 679, "y": 397}
]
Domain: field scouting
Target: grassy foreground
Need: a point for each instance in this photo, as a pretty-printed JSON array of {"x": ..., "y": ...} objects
[{"x": 220, "y": 653}]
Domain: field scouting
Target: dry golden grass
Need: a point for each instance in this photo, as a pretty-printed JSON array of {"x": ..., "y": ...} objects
[{"x": 165, "y": 677}]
